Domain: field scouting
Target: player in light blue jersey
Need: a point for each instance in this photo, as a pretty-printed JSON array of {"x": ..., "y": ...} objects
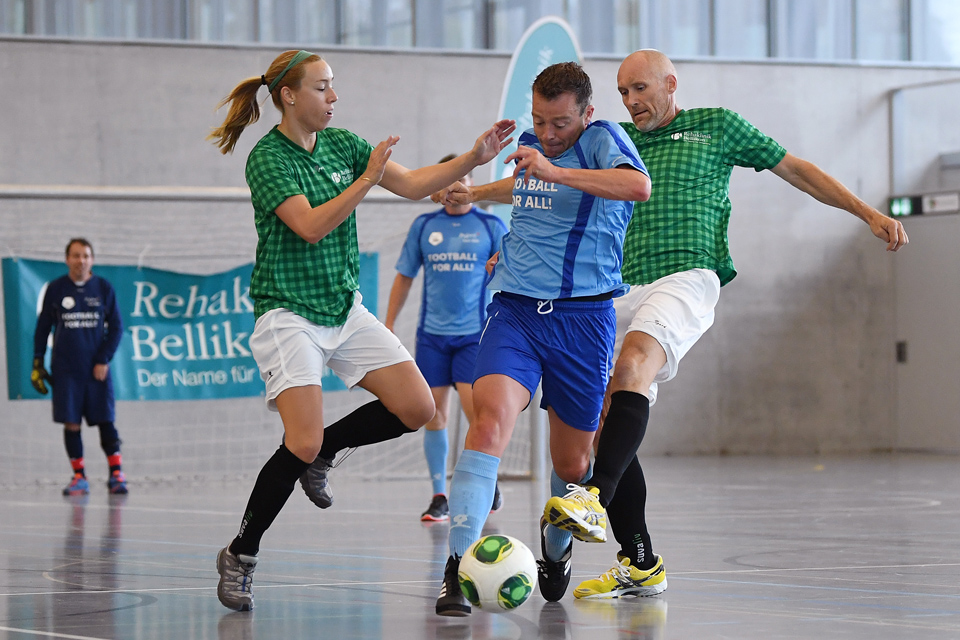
[
  {"x": 452, "y": 245},
  {"x": 552, "y": 320}
]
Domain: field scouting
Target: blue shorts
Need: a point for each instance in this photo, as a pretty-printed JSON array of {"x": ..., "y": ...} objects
[
  {"x": 80, "y": 396},
  {"x": 569, "y": 343},
  {"x": 445, "y": 360}
]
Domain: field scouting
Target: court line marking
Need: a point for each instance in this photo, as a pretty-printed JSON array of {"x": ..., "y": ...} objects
[
  {"x": 902, "y": 502},
  {"x": 415, "y": 582},
  {"x": 814, "y": 587},
  {"x": 50, "y": 634},
  {"x": 196, "y": 511},
  {"x": 731, "y": 572},
  {"x": 134, "y": 591},
  {"x": 839, "y": 568},
  {"x": 207, "y": 545}
]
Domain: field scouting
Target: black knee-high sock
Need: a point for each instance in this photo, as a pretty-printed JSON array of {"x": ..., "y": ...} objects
[
  {"x": 628, "y": 517},
  {"x": 623, "y": 431},
  {"x": 369, "y": 424},
  {"x": 274, "y": 485},
  {"x": 74, "y": 445},
  {"x": 109, "y": 438}
]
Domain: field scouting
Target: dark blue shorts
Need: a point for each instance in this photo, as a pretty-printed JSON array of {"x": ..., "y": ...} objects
[
  {"x": 567, "y": 343},
  {"x": 445, "y": 360},
  {"x": 76, "y": 397}
]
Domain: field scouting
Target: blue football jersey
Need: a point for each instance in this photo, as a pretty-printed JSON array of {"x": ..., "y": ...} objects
[
  {"x": 564, "y": 242},
  {"x": 453, "y": 251}
]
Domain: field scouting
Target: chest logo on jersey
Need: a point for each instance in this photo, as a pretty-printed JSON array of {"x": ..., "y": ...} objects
[
  {"x": 533, "y": 201},
  {"x": 68, "y": 302},
  {"x": 693, "y": 136},
  {"x": 535, "y": 185},
  {"x": 435, "y": 238},
  {"x": 92, "y": 302},
  {"x": 345, "y": 175},
  {"x": 452, "y": 261},
  {"x": 471, "y": 238}
]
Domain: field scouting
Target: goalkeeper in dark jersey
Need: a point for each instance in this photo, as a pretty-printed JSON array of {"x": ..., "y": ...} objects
[{"x": 81, "y": 308}]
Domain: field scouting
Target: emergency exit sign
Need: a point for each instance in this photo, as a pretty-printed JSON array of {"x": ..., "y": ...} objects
[{"x": 933, "y": 203}]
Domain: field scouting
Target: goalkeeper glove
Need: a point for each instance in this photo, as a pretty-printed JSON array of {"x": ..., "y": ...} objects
[{"x": 39, "y": 377}]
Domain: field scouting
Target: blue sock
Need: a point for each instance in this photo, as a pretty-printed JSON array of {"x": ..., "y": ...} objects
[
  {"x": 435, "y": 448},
  {"x": 471, "y": 494},
  {"x": 557, "y": 540}
]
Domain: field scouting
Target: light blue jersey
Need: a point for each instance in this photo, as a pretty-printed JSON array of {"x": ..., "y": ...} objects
[
  {"x": 453, "y": 250},
  {"x": 564, "y": 242}
]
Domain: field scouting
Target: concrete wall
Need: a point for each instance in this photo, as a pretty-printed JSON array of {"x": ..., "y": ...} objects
[
  {"x": 925, "y": 122},
  {"x": 801, "y": 358}
]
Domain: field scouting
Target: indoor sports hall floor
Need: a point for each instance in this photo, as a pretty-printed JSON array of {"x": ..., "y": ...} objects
[{"x": 755, "y": 548}]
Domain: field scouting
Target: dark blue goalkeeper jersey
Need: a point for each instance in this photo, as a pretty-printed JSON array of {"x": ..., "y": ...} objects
[{"x": 86, "y": 325}]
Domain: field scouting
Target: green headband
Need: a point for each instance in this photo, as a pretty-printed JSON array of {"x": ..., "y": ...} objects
[{"x": 297, "y": 59}]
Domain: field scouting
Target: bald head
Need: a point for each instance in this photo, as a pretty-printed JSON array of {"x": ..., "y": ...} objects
[
  {"x": 647, "y": 82},
  {"x": 650, "y": 60}
]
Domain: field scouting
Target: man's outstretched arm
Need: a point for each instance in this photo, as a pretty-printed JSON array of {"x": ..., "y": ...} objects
[
  {"x": 459, "y": 193},
  {"x": 812, "y": 180},
  {"x": 621, "y": 183}
]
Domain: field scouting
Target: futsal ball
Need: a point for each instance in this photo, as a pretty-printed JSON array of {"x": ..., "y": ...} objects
[{"x": 497, "y": 573}]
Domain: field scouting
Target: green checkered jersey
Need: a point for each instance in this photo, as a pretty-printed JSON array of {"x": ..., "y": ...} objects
[
  {"x": 316, "y": 281},
  {"x": 684, "y": 223}
]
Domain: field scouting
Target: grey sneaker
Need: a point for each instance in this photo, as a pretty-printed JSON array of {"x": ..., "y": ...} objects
[
  {"x": 236, "y": 580},
  {"x": 438, "y": 511},
  {"x": 315, "y": 484}
]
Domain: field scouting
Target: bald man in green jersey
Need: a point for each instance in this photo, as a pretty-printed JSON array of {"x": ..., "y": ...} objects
[{"x": 676, "y": 258}]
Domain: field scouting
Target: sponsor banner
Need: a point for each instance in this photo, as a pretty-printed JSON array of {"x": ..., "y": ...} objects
[
  {"x": 186, "y": 336},
  {"x": 547, "y": 41}
]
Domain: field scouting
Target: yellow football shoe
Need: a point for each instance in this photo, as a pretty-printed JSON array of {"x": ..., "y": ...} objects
[
  {"x": 579, "y": 512},
  {"x": 624, "y": 580}
]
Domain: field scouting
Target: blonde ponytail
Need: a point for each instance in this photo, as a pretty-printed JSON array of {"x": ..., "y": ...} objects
[
  {"x": 244, "y": 111},
  {"x": 285, "y": 71}
]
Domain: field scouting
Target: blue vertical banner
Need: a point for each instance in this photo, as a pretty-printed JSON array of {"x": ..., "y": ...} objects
[
  {"x": 547, "y": 41},
  {"x": 186, "y": 336}
]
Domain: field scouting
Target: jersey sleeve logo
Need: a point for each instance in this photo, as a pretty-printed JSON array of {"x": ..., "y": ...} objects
[
  {"x": 435, "y": 238},
  {"x": 68, "y": 302}
]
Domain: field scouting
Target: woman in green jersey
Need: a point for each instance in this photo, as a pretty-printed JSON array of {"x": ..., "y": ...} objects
[{"x": 306, "y": 179}]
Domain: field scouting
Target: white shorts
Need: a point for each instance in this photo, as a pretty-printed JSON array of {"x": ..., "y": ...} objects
[
  {"x": 291, "y": 351},
  {"x": 675, "y": 310}
]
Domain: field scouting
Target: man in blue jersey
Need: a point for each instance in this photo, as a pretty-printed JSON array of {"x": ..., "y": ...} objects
[
  {"x": 82, "y": 310},
  {"x": 452, "y": 245},
  {"x": 552, "y": 319}
]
